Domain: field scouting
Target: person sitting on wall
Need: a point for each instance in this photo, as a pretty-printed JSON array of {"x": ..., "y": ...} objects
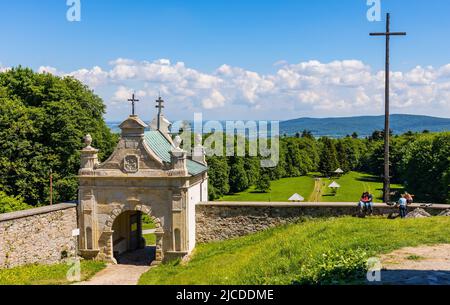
[{"x": 363, "y": 202}]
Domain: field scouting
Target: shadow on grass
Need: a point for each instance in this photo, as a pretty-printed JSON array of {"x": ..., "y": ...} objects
[
  {"x": 414, "y": 277},
  {"x": 369, "y": 179}
]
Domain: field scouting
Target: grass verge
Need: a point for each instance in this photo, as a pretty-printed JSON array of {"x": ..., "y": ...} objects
[
  {"x": 47, "y": 274},
  {"x": 281, "y": 191},
  {"x": 327, "y": 251},
  {"x": 353, "y": 185}
]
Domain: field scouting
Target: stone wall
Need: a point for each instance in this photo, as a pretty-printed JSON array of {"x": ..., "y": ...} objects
[
  {"x": 41, "y": 235},
  {"x": 225, "y": 220}
]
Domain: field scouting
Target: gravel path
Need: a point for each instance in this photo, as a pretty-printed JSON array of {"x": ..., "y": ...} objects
[
  {"x": 425, "y": 265},
  {"x": 117, "y": 275}
]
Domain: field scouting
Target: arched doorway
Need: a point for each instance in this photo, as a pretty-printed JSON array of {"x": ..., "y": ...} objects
[{"x": 136, "y": 237}]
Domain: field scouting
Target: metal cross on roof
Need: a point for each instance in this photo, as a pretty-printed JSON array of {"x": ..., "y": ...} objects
[
  {"x": 160, "y": 106},
  {"x": 132, "y": 100}
]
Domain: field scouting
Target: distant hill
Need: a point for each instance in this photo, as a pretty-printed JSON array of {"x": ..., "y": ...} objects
[{"x": 364, "y": 125}]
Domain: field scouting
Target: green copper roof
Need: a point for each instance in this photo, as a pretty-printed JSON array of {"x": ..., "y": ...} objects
[
  {"x": 161, "y": 147},
  {"x": 195, "y": 168}
]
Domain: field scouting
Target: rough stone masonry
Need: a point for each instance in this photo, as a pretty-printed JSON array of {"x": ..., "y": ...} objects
[
  {"x": 41, "y": 235},
  {"x": 224, "y": 220}
]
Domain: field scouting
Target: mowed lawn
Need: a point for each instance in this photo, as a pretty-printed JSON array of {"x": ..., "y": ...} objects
[
  {"x": 321, "y": 251},
  {"x": 47, "y": 274},
  {"x": 353, "y": 185},
  {"x": 150, "y": 239},
  {"x": 281, "y": 191}
]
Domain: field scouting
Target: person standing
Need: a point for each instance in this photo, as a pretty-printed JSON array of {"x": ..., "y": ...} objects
[{"x": 402, "y": 203}]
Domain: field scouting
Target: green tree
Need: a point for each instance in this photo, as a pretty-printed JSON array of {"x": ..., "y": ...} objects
[
  {"x": 343, "y": 151},
  {"x": 263, "y": 183},
  {"x": 238, "y": 177},
  {"x": 218, "y": 177},
  {"x": 11, "y": 204},
  {"x": 43, "y": 119},
  {"x": 307, "y": 134},
  {"x": 426, "y": 167},
  {"x": 328, "y": 158}
]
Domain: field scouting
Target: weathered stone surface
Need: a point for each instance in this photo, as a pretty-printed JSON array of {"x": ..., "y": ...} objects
[
  {"x": 145, "y": 173},
  {"x": 418, "y": 213},
  {"x": 42, "y": 235},
  {"x": 445, "y": 213},
  {"x": 225, "y": 220}
]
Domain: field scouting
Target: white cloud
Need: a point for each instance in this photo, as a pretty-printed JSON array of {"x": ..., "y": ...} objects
[
  {"x": 312, "y": 88},
  {"x": 123, "y": 93},
  {"x": 215, "y": 100},
  {"x": 92, "y": 77},
  {"x": 48, "y": 69}
]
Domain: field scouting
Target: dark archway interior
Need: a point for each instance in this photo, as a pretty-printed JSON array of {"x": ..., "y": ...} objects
[{"x": 133, "y": 243}]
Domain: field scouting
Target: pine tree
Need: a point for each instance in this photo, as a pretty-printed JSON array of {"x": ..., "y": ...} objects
[
  {"x": 238, "y": 177},
  {"x": 218, "y": 176},
  {"x": 328, "y": 159},
  {"x": 263, "y": 183}
]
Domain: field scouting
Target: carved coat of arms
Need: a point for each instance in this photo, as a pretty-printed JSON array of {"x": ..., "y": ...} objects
[{"x": 131, "y": 164}]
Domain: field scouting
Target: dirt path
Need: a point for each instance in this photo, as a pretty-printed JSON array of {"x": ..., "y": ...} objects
[
  {"x": 317, "y": 192},
  {"x": 425, "y": 265}
]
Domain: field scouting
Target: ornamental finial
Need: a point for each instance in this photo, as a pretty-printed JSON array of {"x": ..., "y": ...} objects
[{"x": 88, "y": 140}]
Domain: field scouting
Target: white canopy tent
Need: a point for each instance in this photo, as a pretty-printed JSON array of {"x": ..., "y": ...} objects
[
  {"x": 296, "y": 198},
  {"x": 339, "y": 171},
  {"x": 334, "y": 185}
]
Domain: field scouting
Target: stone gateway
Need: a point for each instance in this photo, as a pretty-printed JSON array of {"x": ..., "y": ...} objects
[{"x": 148, "y": 173}]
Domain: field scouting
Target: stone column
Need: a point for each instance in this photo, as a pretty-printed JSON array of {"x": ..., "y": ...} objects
[
  {"x": 88, "y": 241},
  {"x": 159, "y": 246},
  {"x": 89, "y": 158},
  {"x": 178, "y": 159}
]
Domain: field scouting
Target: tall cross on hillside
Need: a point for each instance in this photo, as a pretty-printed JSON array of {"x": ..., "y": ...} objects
[
  {"x": 132, "y": 100},
  {"x": 387, "y": 177},
  {"x": 160, "y": 107}
]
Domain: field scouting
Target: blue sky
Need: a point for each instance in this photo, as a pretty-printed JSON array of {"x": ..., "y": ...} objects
[{"x": 238, "y": 56}]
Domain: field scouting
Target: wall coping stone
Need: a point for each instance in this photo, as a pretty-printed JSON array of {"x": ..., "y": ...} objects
[
  {"x": 312, "y": 204},
  {"x": 36, "y": 211}
]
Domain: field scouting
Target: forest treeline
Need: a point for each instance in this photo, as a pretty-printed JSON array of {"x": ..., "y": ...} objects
[
  {"x": 419, "y": 161},
  {"x": 43, "y": 119}
]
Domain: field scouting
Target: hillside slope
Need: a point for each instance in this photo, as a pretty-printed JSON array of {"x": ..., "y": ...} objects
[{"x": 317, "y": 251}]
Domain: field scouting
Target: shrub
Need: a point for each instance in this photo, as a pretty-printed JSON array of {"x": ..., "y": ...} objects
[
  {"x": 334, "y": 267},
  {"x": 10, "y": 204}
]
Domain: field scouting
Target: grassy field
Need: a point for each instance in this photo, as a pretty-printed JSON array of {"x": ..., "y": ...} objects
[
  {"x": 316, "y": 251},
  {"x": 281, "y": 191},
  {"x": 353, "y": 185},
  {"x": 46, "y": 275},
  {"x": 150, "y": 239}
]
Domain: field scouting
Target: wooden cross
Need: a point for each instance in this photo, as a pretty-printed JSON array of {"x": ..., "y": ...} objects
[
  {"x": 132, "y": 100},
  {"x": 387, "y": 178}
]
